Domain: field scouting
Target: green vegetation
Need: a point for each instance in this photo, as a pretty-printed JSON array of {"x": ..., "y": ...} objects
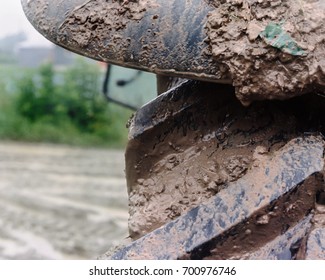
[{"x": 67, "y": 107}]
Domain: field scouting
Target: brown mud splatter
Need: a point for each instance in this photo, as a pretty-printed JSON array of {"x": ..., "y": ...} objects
[
  {"x": 193, "y": 155},
  {"x": 95, "y": 26},
  {"x": 259, "y": 70}
]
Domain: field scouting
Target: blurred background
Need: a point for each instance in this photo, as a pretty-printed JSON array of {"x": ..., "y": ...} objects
[{"x": 62, "y": 186}]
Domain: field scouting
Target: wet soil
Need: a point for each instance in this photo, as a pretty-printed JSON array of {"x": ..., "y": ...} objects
[
  {"x": 273, "y": 49},
  {"x": 264, "y": 215},
  {"x": 59, "y": 202},
  {"x": 188, "y": 155},
  {"x": 190, "y": 148},
  {"x": 252, "y": 238},
  {"x": 197, "y": 141}
]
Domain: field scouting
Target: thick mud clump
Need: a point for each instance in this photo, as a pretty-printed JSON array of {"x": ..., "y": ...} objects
[{"x": 273, "y": 49}]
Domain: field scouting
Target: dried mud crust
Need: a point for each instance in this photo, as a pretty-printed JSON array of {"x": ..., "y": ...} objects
[
  {"x": 94, "y": 26},
  {"x": 177, "y": 166},
  {"x": 142, "y": 34},
  {"x": 273, "y": 49}
]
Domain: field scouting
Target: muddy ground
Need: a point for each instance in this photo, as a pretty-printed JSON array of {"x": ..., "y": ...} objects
[{"x": 60, "y": 202}]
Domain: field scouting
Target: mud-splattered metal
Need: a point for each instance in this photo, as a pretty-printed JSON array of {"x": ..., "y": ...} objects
[{"x": 161, "y": 36}]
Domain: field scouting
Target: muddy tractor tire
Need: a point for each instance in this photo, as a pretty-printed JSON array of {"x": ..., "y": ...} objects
[
  {"x": 207, "y": 177},
  {"x": 210, "y": 179}
]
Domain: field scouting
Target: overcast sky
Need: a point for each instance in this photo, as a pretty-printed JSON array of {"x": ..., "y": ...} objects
[{"x": 13, "y": 20}]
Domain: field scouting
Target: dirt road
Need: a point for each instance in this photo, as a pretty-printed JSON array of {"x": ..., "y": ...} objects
[{"x": 58, "y": 202}]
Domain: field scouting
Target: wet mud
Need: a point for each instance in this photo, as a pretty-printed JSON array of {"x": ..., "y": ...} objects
[
  {"x": 270, "y": 206},
  {"x": 59, "y": 202},
  {"x": 273, "y": 49},
  {"x": 184, "y": 154},
  {"x": 250, "y": 239}
]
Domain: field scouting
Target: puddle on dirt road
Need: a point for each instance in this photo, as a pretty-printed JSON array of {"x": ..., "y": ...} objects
[{"x": 59, "y": 202}]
